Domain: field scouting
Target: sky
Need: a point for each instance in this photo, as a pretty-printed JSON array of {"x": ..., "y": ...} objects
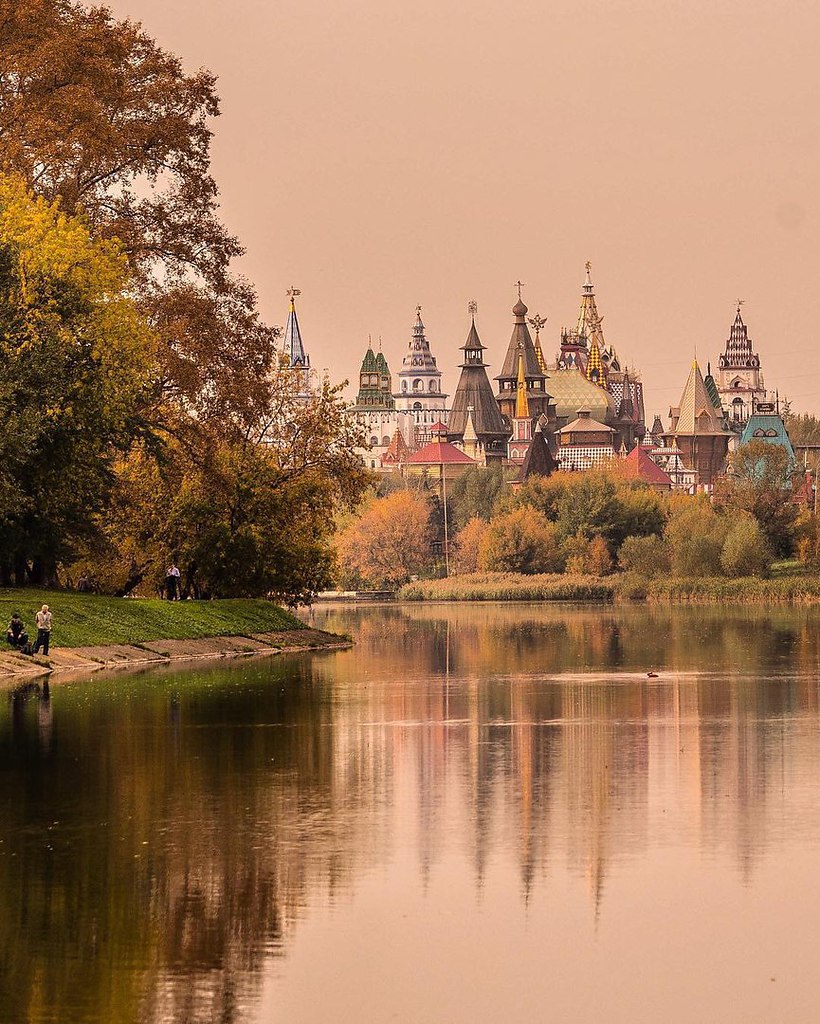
[{"x": 380, "y": 155}]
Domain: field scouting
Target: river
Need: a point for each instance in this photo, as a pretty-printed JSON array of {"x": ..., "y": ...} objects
[{"x": 480, "y": 813}]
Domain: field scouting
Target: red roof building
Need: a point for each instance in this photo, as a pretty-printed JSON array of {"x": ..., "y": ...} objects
[{"x": 639, "y": 466}]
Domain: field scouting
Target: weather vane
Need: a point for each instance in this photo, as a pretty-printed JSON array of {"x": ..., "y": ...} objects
[
  {"x": 740, "y": 302},
  {"x": 418, "y": 312},
  {"x": 472, "y": 308},
  {"x": 519, "y": 285},
  {"x": 293, "y": 292}
]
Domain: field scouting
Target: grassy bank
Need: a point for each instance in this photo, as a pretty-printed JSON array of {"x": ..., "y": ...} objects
[
  {"x": 510, "y": 586},
  {"x": 82, "y": 620},
  {"x": 800, "y": 588}
]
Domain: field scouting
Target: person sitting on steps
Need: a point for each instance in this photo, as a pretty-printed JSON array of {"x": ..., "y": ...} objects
[{"x": 16, "y": 634}]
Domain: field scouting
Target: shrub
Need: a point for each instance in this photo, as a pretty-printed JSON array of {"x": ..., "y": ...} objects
[
  {"x": 646, "y": 556},
  {"x": 588, "y": 556},
  {"x": 520, "y": 541},
  {"x": 745, "y": 550},
  {"x": 466, "y": 547},
  {"x": 695, "y": 535}
]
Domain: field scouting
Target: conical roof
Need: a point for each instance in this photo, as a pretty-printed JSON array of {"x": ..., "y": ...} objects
[
  {"x": 474, "y": 390},
  {"x": 539, "y": 460},
  {"x": 294, "y": 349},
  {"x": 520, "y": 340},
  {"x": 696, "y": 413},
  {"x": 369, "y": 362},
  {"x": 589, "y": 322}
]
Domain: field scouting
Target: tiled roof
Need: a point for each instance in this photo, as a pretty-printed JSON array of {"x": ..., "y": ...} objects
[
  {"x": 572, "y": 391},
  {"x": 768, "y": 427},
  {"x": 696, "y": 413},
  {"x": 638, "y": 464},
  {"x": 439, "y": 453}
]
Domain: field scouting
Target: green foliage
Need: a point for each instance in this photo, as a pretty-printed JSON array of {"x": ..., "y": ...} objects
[
  {"x": 522, "y": 541},
  {"x": 87, "y": 619},
  {"x": 75, "y": 359},
  {"x": 695, "y": 535},
  {"x": 760, "y": 482},
  {"x": 474, "y": 494},
  {"x": 645, "y": 556},
  {"x": 745, "y": 550}
]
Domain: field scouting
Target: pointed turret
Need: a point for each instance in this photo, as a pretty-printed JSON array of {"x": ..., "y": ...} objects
[
  {"x": 740, "y": 385},
  {"x": 595, "y": 370},
  {"x": 474, "y": 392},
  {"x": 535, "y": 379},
  {"x": 419, "y": 382},
  {"x": 539, "y": 460},
  {"x": 589, "y": 323},
  {"x": 293, "y": 347},
  {"x": 698, "y": 430}
]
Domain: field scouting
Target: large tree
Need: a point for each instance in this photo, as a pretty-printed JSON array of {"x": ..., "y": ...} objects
[{"x": 75, "y": 365}]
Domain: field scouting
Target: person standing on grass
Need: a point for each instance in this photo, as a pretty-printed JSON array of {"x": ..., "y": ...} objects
[
  {"x": 172, "y": 582},
  {"x": 43, "y": 630}
]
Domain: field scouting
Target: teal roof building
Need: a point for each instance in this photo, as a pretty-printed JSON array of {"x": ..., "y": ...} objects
[{"x": 765, "y": 424}]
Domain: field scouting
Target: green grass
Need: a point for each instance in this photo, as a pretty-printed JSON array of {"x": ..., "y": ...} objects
[
  {"x": 82, "y": 620},
  {"x": 800, "y": 589}
]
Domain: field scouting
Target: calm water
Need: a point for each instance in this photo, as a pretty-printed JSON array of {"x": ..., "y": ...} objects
[{"x": 482, "y": 813}]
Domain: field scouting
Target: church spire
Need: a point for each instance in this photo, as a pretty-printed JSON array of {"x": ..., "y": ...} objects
[{"x": 293, "y": 347}]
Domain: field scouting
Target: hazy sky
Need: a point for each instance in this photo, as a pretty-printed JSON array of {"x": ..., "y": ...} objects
[{"x": 383, "y": 154}]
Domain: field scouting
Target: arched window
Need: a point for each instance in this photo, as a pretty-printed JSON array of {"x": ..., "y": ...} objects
[
  {"x": 404, "y": 386},
  {"x": 385, "y": 440},
  {"x": 417, "y": 406},
  {"x": 418, "y": 386},
  {"x": 432, "y": 386},
  {"x": 374, "y": 440}
]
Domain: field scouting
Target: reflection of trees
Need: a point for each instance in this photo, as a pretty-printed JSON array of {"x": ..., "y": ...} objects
[{"x": 162, "y": 839}]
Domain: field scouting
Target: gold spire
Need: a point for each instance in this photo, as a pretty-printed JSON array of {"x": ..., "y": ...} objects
[
  {"x": 589, "y": 323},
  {"x": 522, "y": 406}
]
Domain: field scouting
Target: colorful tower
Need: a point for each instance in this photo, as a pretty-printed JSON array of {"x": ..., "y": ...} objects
[
  {"x": 419, "y": 385},
  {"x": 740, "y": 380},
  {"x": 474, "y": 392}
]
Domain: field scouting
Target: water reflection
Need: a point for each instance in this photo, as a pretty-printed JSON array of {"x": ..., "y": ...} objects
[{"x": 166, "y": 838}]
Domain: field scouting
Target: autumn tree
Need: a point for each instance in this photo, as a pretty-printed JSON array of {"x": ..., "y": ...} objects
[
  {"x": 389, "y": 542},
  {"x": 522, "y": 540},
  {"x": 760, "y": 481},
  {"x": 75, "y": 365}
]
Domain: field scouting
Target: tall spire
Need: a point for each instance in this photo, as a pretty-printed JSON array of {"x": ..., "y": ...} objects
[
  {"x": 589, "y": 323},
  {"x": 522, "y": 408},
  {"x": 537, "y": 322},
  {"x": 293, "y": 347}
]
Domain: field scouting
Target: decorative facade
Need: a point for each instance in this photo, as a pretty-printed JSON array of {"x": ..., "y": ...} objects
[
  {"x": 419, "y": 386},
  {"x": 585, "y": 443},
  {"x": 740, "y": 380},
  {"x": 474, "y": 400},
  {"x": 375, "y": 408}
]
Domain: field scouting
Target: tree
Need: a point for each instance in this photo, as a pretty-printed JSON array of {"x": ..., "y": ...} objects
[
  {"x": 522, "y": 541},
  {"x": 647, "y": 556},
  {"x": 695, "y": 535},
  {"x": 745, "y": 551},
  {"x": 75, "y": 365},
  {"x": 247, "y": 513},
  {"x": 588, "y": 556},
  {"x": 388, "y": 543},
  {"x": 760, "y": 482},
  {"x": 474, "y": 494},
  {"x": 467, "y": 546}
]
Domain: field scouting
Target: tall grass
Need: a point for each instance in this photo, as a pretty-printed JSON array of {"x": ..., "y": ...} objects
[{"x": 510, "y": 586}]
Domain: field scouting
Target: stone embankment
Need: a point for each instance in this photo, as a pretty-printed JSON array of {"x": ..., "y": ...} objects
[{"x": 15, "y": 666}]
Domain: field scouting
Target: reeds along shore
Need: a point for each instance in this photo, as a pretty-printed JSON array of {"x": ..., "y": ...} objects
[{"x": 803, "y": 589}]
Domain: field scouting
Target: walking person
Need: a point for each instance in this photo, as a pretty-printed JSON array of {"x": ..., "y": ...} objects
[
  {"x": 172, "y": 582},
  {"x": 43, "y": 630}
]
